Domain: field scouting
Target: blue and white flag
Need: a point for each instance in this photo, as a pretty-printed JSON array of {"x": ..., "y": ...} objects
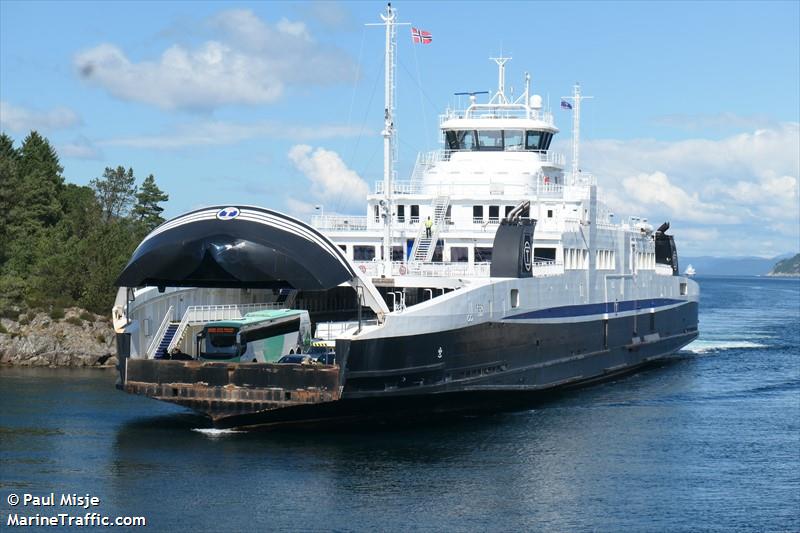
[{"x": 565, "y": 105}]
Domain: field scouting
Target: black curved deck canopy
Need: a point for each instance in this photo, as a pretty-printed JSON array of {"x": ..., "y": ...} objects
[{"x": 236, "y": 247}]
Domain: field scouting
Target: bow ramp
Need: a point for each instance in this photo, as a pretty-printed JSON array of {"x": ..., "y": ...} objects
[{"x": 245, "y": 248}]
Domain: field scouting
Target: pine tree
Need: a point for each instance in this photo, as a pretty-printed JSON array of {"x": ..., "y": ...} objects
[
  {"x": 147, "y": 211},
  {"x": 40, "y": 183},
  {"x": 115, "y": 192},
  {"x": 9, "y": 189}
]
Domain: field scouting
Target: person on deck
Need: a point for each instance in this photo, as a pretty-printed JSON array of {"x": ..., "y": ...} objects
[{"x": 428, "y": 226}]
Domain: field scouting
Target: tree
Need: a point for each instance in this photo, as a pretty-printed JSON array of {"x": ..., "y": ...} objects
[
  {"x": 9, "y": 188},
  {"x": 115, "y": 192},
  {"x": 40, "y": 183},
  {"x": 147, "y": 211}
]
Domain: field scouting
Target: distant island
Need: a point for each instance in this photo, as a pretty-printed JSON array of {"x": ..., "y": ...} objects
[
  {"x": 733, "y": 265},
  {"x": 787, "y": 267}
]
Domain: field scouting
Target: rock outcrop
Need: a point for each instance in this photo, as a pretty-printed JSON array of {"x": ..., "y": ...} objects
[{"x": 78, "y": 339}]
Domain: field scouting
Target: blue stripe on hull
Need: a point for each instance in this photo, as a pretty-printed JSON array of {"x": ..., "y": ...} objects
[{"x": 595, "y": 309}]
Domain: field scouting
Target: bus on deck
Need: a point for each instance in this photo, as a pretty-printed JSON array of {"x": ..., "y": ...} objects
[{"x": 258, "y": 337}]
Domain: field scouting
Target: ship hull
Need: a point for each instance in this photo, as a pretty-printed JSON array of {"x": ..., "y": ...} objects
[{"x": 486, "y": 367}]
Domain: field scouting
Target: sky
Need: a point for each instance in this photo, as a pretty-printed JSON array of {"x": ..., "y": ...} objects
[{"x": 695, "y": 117}]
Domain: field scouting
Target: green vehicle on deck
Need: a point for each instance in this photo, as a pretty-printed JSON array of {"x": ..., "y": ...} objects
[{"x": 258, "y": 337}]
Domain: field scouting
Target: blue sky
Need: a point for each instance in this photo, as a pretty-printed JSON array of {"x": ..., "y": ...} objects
[{"x": 695, "y": 115}]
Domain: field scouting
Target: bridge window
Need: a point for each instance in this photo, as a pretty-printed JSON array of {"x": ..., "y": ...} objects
[
  {"x": 460, "y": 139},
  {"x": 538, "y": 140},
  {"x": 490, "y": 140},
  {"x": 514, "y": 298},
  {"x": 363, "y": 253},
  {"x": 513, "y": 139}
]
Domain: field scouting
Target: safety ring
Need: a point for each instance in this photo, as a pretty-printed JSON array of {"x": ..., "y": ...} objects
[
  {"x": 362, "y": 268},
  {"x": 403, "y": 270}
]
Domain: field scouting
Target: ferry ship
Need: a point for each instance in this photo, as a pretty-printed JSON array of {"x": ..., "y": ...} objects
[{"x": 491, "y": 275}]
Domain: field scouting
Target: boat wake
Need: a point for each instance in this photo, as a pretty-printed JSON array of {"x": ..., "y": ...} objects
[
  {"x": 215, "y": 433},
  {"x": 704, "y": 347}
]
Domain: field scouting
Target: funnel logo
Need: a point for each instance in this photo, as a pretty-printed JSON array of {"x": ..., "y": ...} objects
[
  {"x": 526, "y": 255},
  {"x": 229, "y": 213}
]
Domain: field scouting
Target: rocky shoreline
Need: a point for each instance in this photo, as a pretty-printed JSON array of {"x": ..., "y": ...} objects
[{"x": 76, "y": 339}]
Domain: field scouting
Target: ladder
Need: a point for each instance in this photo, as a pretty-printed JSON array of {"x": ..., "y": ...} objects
[{"x": 424, "y": 246}]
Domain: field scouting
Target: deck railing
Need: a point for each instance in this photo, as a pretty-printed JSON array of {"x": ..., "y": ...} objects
[{"x": 153, "y": 346}]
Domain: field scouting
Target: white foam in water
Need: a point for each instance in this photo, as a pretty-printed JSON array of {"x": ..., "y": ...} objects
[
  {"x": 703, "y": 346},
  {"x": 213, "y": 432}
]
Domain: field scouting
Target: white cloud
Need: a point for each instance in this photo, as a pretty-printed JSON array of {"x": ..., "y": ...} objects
[
  {"x": 248, "y": 62},
  {"x": 216, "y": 133},
  {"x": 79, "y": 148},
  {"x": 718, "y": 121},
  {"x": 20, "y": 119},
  {"x": 744, "y": 185},
  {"x": 331, "y": 180}
]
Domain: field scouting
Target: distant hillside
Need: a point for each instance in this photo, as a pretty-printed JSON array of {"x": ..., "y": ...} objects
[
  {"x": 731, "y": 266},
  {"x": 787, "y": 267}
]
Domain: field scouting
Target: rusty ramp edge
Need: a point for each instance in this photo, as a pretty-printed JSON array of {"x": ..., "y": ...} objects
[{"x": 220, "y": 390}]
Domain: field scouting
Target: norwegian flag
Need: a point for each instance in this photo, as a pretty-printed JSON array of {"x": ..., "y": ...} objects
[{"x": 421, "y": 36}]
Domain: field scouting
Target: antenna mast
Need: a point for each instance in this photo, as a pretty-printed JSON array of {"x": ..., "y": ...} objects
[
  {"x": 389, "y": 133},
  {"x": 576, "y": 126}
]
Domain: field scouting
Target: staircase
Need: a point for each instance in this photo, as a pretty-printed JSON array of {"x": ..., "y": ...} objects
[
  {"x": 424, "y": 246},
  {"x": 163, "y": 345}
]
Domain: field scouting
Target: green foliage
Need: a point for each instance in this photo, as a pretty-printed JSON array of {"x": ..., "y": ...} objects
[
  {"x": 88, "y": 317},
  {"x": 787, "y": 267},
  {"x": 3, "y": 329},
  {"x": 115, "y": 192},
  {"x": 63, "y": 245},
  {"x": 147, "y": 211}
]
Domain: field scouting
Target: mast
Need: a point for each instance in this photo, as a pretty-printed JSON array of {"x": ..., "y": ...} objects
[
  {"x": 388, "y": 137},
  {"x": 389, "y": 133},
  {"x": 576, "y": 126}
]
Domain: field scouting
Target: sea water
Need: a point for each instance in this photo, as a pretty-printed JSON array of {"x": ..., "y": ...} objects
[{"x": 709, "y": 441}]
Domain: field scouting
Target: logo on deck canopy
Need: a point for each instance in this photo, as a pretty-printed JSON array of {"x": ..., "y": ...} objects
[
  {"x": 229, "y": 213},
  {"x": 526, "y": 255}
]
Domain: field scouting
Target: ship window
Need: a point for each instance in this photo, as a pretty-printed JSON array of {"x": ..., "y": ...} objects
[
  {"x": 544, "y": 255},
  {"x": 460, "y": 140},
  {"x": 459, "y": 254},
  {"x": 483, "y": 255},
  {"x": 397, "y": 253},
  {"x": 549, "y": 213},
  {"x": 546, "y": 138},
  {"x": 514, "y": 298},
  {"x": 513, "y": 139},
  {"x": 377, "y": 213},
  {"x": 363, "y": 253},
  {"x": 477, "y": 212},
  {"x": 538, "y": 140},
  {"x": 508, "y": 209},
  {"x": 684, "y": 289},
  {"x": 414, "y": 214},
  {"x": 533, "y": 139},
  {"x": 494, "y": 212},
  {"x": 490, "y": 140},
  {"x": 401, "y": 213}
]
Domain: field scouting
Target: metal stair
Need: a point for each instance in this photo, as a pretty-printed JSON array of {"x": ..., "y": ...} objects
[
  {"x": 424, "y": 247},
  {"x": 163, "y": 345}
]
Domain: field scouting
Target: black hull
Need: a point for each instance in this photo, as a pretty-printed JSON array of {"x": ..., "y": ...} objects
[{"x": 487, "y": 367}]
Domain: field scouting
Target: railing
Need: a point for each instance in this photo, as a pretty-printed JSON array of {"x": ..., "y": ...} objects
[
  {"x": 452, "y": 269},
  {"x": 412, "y": 186},
  {"x": 339, "y": 222},
  {"x": 203, "y": 314},
  {"x": 153, "y": 346}
]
